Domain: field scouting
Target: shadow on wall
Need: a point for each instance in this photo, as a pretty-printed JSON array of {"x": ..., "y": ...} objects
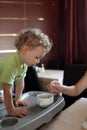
[
  {"x": 32, "y": 82},
  {"x": 53, "y": 64}
]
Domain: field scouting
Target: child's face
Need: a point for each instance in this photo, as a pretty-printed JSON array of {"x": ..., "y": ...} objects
[{"x": 33, "y": 56}]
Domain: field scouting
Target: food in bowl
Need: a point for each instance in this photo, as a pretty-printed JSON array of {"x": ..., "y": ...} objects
[{"x": 45, "y": 99}]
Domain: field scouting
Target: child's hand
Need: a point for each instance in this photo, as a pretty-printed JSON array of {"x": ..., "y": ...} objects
[
  {"x": 1, "y": 99},
  {"x": 20, "y": 112},
  {"x": 55, "y": 87},
  {"x": 21, "y": 102}
]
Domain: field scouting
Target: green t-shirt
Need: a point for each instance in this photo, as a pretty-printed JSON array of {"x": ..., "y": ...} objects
[{"x": 11, "y": 70}]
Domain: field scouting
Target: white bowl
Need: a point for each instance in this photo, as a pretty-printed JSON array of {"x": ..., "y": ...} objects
[{"x": 45, "y": 99}]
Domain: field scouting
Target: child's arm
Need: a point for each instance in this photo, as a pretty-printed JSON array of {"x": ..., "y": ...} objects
[
  {"x": 18, "y": 93},
  {"x": 12, "y": 110}
]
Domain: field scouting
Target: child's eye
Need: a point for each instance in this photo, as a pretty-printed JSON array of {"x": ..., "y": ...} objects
[{"x": 38, "y": 58}]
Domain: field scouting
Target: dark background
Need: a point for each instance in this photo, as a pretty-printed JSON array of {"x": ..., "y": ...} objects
[{"x": 65, "y": 21}]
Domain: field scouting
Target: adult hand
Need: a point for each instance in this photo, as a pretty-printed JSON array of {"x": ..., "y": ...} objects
[{"x": 54, "y": 87}]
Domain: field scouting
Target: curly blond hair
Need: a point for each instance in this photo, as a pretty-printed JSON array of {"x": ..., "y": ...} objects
[{"x": 33, "y": 37}]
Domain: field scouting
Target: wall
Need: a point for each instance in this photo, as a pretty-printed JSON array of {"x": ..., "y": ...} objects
[{"x": 19, "y": 14}]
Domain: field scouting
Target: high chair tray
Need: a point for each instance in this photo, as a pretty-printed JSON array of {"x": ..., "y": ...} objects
[{"x": 37, "y": 115}]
